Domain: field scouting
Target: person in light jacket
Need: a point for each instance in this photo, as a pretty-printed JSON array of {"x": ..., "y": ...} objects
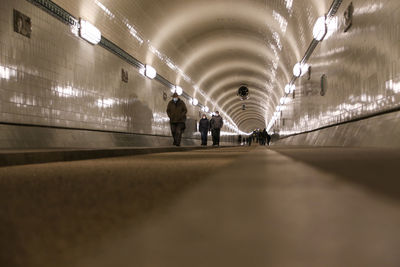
[
  {"x": 216, "y": 124},
  {"x": 204, "y": 127},
  {"x": 176, "y": 111}
]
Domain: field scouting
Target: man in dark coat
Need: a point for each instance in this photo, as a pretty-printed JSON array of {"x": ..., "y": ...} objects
[
  {"x": 268, "y": 138},
  {"x": 176, "y": 111},
  {"x": 204, "y": 127},
  {"x": 216, "y": 124},
  {"x": 264, "y": 137}
]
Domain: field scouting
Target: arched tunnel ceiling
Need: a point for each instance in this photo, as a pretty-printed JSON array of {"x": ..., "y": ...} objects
[{"x": 221, "y": 45}]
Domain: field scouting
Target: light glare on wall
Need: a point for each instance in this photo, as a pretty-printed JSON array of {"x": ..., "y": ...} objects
[
  {"x": 150, "y": 72},
  {"x": 89, "y": 32},
  {"x": 320, "y": 29}
]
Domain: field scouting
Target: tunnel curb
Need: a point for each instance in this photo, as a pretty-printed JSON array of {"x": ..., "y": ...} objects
[{"x": 13, "y": 158}]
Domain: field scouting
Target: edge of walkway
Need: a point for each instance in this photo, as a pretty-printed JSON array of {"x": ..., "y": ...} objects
[{"x": 24, "y": 157}]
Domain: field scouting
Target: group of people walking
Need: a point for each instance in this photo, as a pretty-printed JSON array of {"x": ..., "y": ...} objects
[
  {"x": 177, "y": 110},
  {"x": 257, "y": 136},
  {"x": 214, "y": 126}
]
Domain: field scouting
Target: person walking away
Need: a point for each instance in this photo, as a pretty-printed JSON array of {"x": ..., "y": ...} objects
[
  {"x": 176, "y": 111},
  {"x": 216, "y": 124},
  {"x": 204, "y": 127},
  {"x": 268, "y": 138},
  {"x": 264, "y": 136},
  {"x": 260, "y": 137}
]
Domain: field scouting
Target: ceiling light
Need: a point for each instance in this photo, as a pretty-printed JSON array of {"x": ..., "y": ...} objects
[
  {"x": 304, "y": 68},
  {"x": 150, "y": 72},
  {"x": 287, "y": 89},
  {"x": 300, "y": 69},
  {"x": 320, "y": 29},
  {"x": 195, "y": 102},
  {"x": 297, "y": 70},
  {"x": 89, "y": 32},
  {"x": 178, "y": 90}
]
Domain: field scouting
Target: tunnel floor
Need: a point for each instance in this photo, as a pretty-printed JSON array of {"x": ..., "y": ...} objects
[{"x": 240, "y": 206}]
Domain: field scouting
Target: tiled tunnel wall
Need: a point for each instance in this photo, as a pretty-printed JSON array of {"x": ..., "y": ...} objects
[
  {"x": 74, "y": 91},
  {"x": 361, "y": 67},
  {"x": 379, "y": 131}
]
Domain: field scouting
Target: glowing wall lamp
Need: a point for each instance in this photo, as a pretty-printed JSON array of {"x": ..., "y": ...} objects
[
  {"x": 289, "y": 88},
  {"x": 89, "y": 32},
  {"x": 300, "y": 69},
  {"x": 297, "y": 70},
  {"x": 195, "y": 102},
  {"x": 320, "y": 29},
  {"x": 150, "y": 72},
  {"x": 206, "y": 109},
  {"x": 177, "y": 89},
  {"x": 304, "y": 69}
]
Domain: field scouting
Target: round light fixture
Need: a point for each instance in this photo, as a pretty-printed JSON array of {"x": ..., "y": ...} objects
[
  {"x": 290, "y": 88},
  {"x": 243, "y": 92},
  {"x": 320, "y": 29},
  {"x": 297, "y": 70},
  {"x": 287, "y": 89},
  {"x": 150, "y": 72},
  {"x": 304, "y": 69},
  {"x": 178, "y": 90}
]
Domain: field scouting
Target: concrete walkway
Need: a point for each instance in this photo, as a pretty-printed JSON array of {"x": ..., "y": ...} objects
[{"x": 225, "y": 207}]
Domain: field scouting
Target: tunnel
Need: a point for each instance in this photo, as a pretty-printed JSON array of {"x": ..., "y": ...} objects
[{"x": 157, "y": 133}]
